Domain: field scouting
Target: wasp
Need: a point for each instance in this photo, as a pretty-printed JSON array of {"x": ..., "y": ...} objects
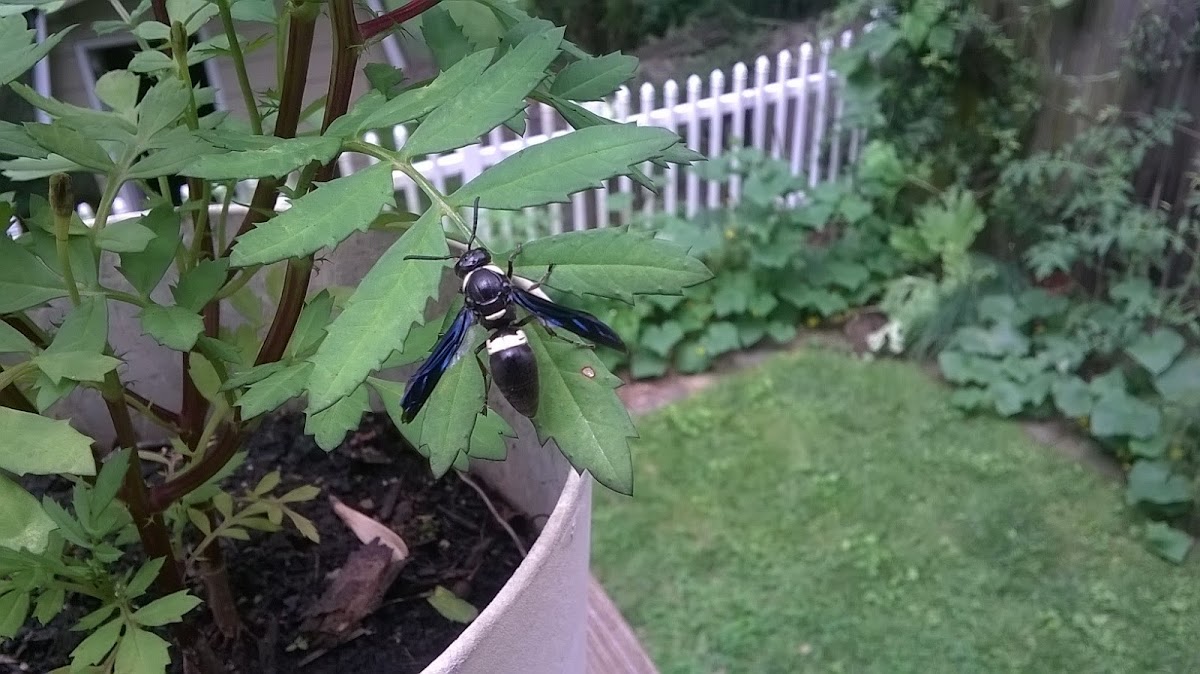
[{"x": 491, "y": 298}]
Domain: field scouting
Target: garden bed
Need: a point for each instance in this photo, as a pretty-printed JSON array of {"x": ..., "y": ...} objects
[{"x": 453, "y": 539}]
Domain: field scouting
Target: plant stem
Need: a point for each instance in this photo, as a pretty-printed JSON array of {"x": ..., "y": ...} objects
[
  {"x": 389, "y": 20},
  {"x": 61, "y": 203},
  {"x": 409, "y": 170},
  {"x": 239, "y": 67}
]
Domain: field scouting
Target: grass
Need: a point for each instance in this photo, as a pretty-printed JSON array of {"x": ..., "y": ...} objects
[{"x": 822, "y": 514}]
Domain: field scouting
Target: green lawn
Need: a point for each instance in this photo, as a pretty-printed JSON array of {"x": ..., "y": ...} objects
[{"x": 821, "y": 514}]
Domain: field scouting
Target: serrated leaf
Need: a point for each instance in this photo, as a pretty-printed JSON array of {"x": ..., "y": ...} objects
[
  {"x": 25, "y": 524},
  {"x": 418, "y": 102},
  {"x": 50, "y": 604},
  {"x": 594, "y": 78},
  {"x": 12, "y": 341},
  {"x": 330, "y": 425},
  {"x": 24, "y": 280},
  {"x": 48, "y": 446},
  {"x": 282, "y": 157},
  {"x": 493, "y": 98},
  {"x": 612, "y": 262},
  {"x": 124, "y": 236},
  {"x": 118, "y": 89},
  {"x": 448, "y": 417},
  {"x": 22, "y": 50},
  {"x": 310, "y": 327},
  {"x": 323, "y": 217},
  {"x": 174, "y": 327},
  {"x": 14, "y": 606},
  {"x": 551, "y": 171},
  {"x": 444, "y": 37},
  {"x": 75, "y": 365},
  {"x": 253, "y": 374},
  {"x": 163, "y": 103},
  {"x": 200, "y": 284},
  {"x": 67, "y": 142},
  {"x": 379, "y": 314},
  {"x": 166, "y": 610},
  {"x": 142, "y": 652},
  {"x": 98, "y": 644},
  {"x": 145, "y": 268},
  {"x": 145, "y": 575},
  {"x": 15, "y": 142},
  {"x": 582, "y": 413},
  {"x": 1157, "y": 350},
  {"x": 276, "y": 389},
  {"x": 488, "y": 437},
  {"x": 451, "y": 607}
]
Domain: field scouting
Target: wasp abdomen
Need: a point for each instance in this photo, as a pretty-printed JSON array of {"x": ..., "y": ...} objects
[{"x": 514, "y": 369}]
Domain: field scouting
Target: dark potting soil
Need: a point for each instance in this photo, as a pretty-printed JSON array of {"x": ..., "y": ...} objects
[{"x": 453, "y": 541}]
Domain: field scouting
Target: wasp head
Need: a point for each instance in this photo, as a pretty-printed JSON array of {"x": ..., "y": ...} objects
[{"x": 471, "y": 260}]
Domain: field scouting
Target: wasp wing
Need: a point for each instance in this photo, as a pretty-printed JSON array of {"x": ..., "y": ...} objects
[
  {"x": 579, "y": 322},
  {"x": 422, "y": 383}
]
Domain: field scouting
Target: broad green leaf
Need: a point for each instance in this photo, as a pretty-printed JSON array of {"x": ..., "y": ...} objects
[
  {"x": 48, "y": 446},
  {"x": 21, "y": 48},
  {"x": 594, "y": 78},
  {"x": 444, "y": 37},
  {"x": 145, "y": 268},
  {"x": 449, "y": 415},
  {"x": 495, "y": 97},
  {"x": 200, "y": 284},
  {"x": 153, "y": 30},
  {"x": 66, "y": 142},
  {"x": 98, "y": 644},
  {"x": 24, "y": 280},
  {"x": 488, "y": 437},
  {"x": 1120, "y": 414},
  {"x": 580, "y": 410},
  {"x": 174, "y": 327},
  {"x": 166, "y": 610},
  {"x": 118, "y": 89},
  {"x": 379, "y": 314},
  {"x": 661, "y": 339},
  {"x": 323, "y": 217},
  {"x": 14, "y": 606},
  {"x": 124, "y": 236},
  {"x": 612, "y": 262},
  {"x": 1181, "y": 382},
  {"x": 451, "y": 606},
  {"x": 24, "y": 525},
  {"x": 1154, "y": 482},
  {"x": 551, "y": 171},
  {"x": 1072, "y": 397},
  {"x": 330, "y": 425},
  {"x": 310, "y": 326},
  {"x": 721, "y": 337},
  {"x": 644, "y": 365},
  {"x": 142, "y": 652},
  {"x": 1168, "y": 542},
  {"x": 284, "y": 156},
  {"x": 1157, "y": 350},
  {"x": 14, "y": 141},
  {"x": 418, "y": 102},
  {"x": 276, "y": 389},
  {"x": 12, "y": 341},
  {"x": 75, "y": 365}
]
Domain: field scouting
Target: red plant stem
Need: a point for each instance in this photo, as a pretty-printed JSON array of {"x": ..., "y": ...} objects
[
  {"x": 383, "y": 22},
  {"x": 159, "y": 7}
]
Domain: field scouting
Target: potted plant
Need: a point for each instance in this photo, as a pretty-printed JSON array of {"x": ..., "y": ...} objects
[{"x": 136, "y": 546}]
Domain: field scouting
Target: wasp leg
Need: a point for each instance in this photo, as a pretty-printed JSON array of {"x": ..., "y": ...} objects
[
  {"x": 550, "y": 331},
  {"x": 487, "y": 384},
  {"x": 545, "y": 277},
  {"x": 511, "y": 258}
]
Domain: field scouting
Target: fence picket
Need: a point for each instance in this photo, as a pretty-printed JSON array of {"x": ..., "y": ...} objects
[
  {"x": 546, "y": 117},
  {"x": 624, "y": 183},
  {"x": 716, "y": 135},
  {"x": 738, "y": 132},
  {"x": 783, "y": 66},
  {"x": 814, "y": 152},
  {"x": 835, "y": 151},
  {"x": 645, "y": 108},
  {"x": 693, "y": 140},
  {"x": 800, "y": 132},
  {"x": 671, "y": 100}
]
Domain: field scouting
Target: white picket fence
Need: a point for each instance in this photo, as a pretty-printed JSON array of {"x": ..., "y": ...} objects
[{"x": 790, "y": 107}]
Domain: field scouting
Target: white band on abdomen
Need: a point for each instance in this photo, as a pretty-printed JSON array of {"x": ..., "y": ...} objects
[{"x": 498, "y": 344}]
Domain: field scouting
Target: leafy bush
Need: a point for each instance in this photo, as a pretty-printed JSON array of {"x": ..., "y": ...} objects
[{"x": 129, "y": 533}]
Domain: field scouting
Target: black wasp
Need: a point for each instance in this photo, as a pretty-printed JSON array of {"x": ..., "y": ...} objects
[{"x": 491, "y": 298}]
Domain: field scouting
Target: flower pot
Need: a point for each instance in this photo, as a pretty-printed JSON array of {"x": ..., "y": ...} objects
[{"x": 537, "y": 624}]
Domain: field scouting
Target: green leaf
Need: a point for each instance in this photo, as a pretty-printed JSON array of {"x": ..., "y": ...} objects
[
  {"x": 24, "y": 280},
  {"x": 448, "y": 417},
  {"x": 21, "y": 48},
  {"x": 48, "y": 446},
  {"x": 118, "y": 89},
  {"x": 721, "y": 338},
  {"x": 488, "y": 437},
  {"x": 145, "y": 268},
  {"x": 12, "y": 341},
  {"x": 1072, "y": 397},
  {"x": 323, "y": 217},
  {"x": 1153, "y": 482},
  {"x": 276, "y": 389},
  {"x": 284, "y": 156},
  {"x": 50, "y": 604},
  {"x": 418, "y": 102},
  {"x": 451, "y": 607},
  {"x": 733, "y": 294},
  {"x": 612, "y": 262},
  {"x": 124, "y": 236},
  {"x": 820, "y": 300},
  {"x": 142, "y": 652},
  {"x": 643, "y": 365},
  {"x": 174, "y": 327},
  {"x": 75, "y": 365},
  {"x": 1181, "y": 383},
  {"x": 444, "y": 37},
  {"x": 109, "y": 481},
  {"x": 14, "y": 606},
  {"x": 330, "y": 425},
  {"x": 163, "y": 104},
  {"x": 1157, "y": 350},
  {"x": 24, "y": 525},
  {"x": 1119, "y": 414},
  {"x": 200, "y": 284},
  {"x": 781, "y": 332},
  {"x": 310, "y": 327},
  {"x": 71, "y": 144},
  {"x": 98, "y": 644},
  {"x": 494, "y": 98},
  {"x": 14, "y": 141},
  {"x": 204, "y": 376},
  {"x": 582, "y": 413},
  {"x": 593, "y": 79},
  {"x": 166, "y": 610},
  {"x": 661, "y": 339},
  {"x": 551, "y": 171},
  {"x": 379, "y": 314},
  {"x": 1168, "y": 542}
]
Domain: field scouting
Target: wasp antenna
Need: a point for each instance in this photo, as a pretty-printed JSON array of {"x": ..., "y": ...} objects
[
  {"x": 428, "y": 257},
  {"x": 474, "y": 223}
]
